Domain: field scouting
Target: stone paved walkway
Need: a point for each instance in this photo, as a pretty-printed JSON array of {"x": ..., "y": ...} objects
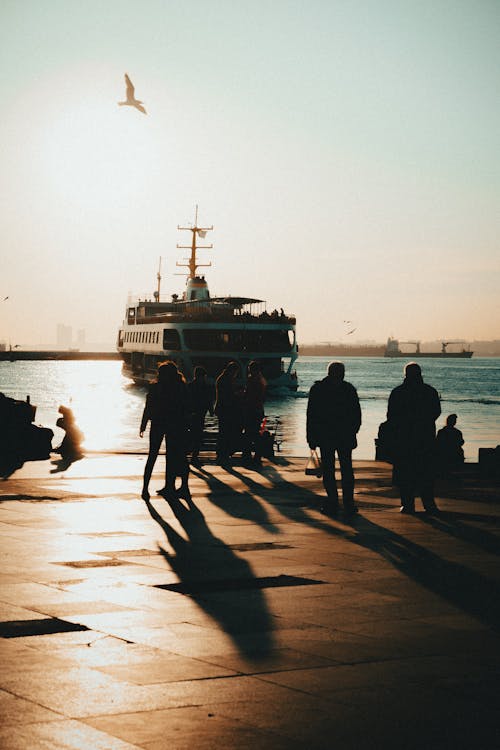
[{"x": 244, "y": 619}]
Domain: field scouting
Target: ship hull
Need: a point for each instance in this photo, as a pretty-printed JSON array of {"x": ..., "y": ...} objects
[{"x": 140, "y": 363}]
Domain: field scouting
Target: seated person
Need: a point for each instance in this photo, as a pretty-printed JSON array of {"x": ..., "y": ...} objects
[
  {"x": 449, "y": 444},
  {"x": 70, "y": 448}
]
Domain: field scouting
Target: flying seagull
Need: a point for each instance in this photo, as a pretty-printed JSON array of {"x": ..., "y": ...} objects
[{"x": 131, "y": 100}]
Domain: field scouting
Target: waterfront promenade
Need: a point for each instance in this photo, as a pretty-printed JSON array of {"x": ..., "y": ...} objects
[{"x": 245, "y": 619}]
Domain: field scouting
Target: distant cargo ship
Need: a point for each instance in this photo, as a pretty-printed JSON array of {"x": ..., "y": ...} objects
[{"x": 392, "y": 350}]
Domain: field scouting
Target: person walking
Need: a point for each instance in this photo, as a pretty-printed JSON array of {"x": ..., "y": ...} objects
[
  {"x": 253, "y": 412},
  {"x": 227, "y": 409},
  {"x": 201, "y": 402},
  {"x": 333, "y": 421},
  {"x": 168, "y": 409},
  {"x": 412, "y": 411}
]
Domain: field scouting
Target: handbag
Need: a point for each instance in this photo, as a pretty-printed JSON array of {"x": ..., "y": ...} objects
[{"x": 313, "y": 465}]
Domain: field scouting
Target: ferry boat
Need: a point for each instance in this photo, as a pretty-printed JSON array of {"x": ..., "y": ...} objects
[
  {"x": 197, "y": 329},
  {"x": 393, "y": 350}
]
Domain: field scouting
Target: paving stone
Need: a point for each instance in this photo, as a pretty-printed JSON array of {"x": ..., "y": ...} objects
[{"x": 398, "y": 646}]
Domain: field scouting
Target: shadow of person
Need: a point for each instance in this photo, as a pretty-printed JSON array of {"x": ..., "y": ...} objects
[
  {"x": 467, "y": 589},
  {"x": 235, "y": 503},
  {"x": 63, "y": 464},
  {"x": 293, "y": 500},
  {"x": 455, "y": 524},
  {"x": 221, "y": 583}
]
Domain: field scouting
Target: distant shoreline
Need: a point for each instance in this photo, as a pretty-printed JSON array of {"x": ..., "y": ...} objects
[
  {"x": 62, "y": 355},
  {"x": 305, "y": 350}
]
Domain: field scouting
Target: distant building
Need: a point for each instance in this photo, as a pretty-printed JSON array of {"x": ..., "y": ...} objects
[{"x": 64, "y": 336}]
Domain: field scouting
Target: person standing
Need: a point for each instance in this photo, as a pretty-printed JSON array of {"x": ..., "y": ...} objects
[
  {"x": 333, "y": 421},
  {"x": 168, "y": 409},
  {"x": 412, "y": 411},
  {"x": 253, "y": 412},
  {"x": 227, "y": 409},
  {"x": 201, "y": 402},
  {"x": 449, "y": 442}
]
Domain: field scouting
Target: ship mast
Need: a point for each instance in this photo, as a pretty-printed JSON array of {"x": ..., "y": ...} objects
[
  {"x": 158, "y": 277},
  {"x": 192, "y": 263}
]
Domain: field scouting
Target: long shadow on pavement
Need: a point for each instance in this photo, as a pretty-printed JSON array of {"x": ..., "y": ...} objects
[
  {"x": 452, "y": 523},
  {"x": 235, "y": 503},
  {"x": 220, "y": 582},
  {"x": 463, "y": 587}
]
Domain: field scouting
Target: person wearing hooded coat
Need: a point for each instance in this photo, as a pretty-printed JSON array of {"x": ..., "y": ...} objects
[
  {"x": 412, "y": 411},
  {"x": 333, "y": 421}
]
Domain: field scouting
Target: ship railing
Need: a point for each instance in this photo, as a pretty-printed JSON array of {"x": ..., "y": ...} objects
[{"x": 208, "y": 315}]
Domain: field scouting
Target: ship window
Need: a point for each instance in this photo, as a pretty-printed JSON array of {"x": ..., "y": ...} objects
[
  {"x": 171, "y": 339},
  {"x": 259, "y": 340}
]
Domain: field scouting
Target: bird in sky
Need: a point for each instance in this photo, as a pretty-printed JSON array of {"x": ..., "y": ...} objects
[
  {"x": 131, "y": 100},
  {"x": 349, "y": 332}
]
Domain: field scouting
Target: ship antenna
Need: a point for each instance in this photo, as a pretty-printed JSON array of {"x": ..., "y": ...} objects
[{"x": 192, "y": 263}]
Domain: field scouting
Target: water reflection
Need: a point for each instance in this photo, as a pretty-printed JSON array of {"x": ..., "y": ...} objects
[{"x": 108, "y": 407}]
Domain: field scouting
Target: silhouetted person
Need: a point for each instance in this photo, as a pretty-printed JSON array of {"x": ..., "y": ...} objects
[
  {"x": 253, "y": 412},
  {"x": 201, "y": 402},
  {"x": 449, "y": 442},
  {"x": 70, "y": 448},
  {"x": 168, "y": 409},
  {"x": 412, "y": 411},
  {"x": 228, "y": 410},
  {"x": 333, "y": 421}
]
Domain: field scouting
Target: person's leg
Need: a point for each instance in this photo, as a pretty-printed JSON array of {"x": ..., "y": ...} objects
[
  {"x": 155, "y": 438},
  {"x": 425, "y": 471},
  {"x": 197, "y": 427},
  {"x": 406, "y": 482},
  {"x": 177, "y": 464},
  {"x": 223, "y": 439},
  {"x": 345, "y": 460},
  {"x": 426, "y": 489},
  {"x": 331, "y": 503}
]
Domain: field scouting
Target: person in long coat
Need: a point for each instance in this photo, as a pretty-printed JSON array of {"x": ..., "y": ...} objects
[
  {"x": 253, "y": 412},
  {"x": 201, "y": 402},
  {"x": 168, "y": 409},
  {"x": 228, "y": 411},
  {"x": 333, "y": 421},
  {"x": 412, "y": 411}
]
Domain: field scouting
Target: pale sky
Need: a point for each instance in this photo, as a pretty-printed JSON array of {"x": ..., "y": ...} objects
[{"x": 347, "y": 153}]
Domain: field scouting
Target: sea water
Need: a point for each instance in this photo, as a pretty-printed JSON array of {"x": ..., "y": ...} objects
[{"x": 108, "y": 407}]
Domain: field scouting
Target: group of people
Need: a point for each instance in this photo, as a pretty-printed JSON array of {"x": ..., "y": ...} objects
[
  {"x": 334, "y": 419},
  {"x": 177, "y": 410}
]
